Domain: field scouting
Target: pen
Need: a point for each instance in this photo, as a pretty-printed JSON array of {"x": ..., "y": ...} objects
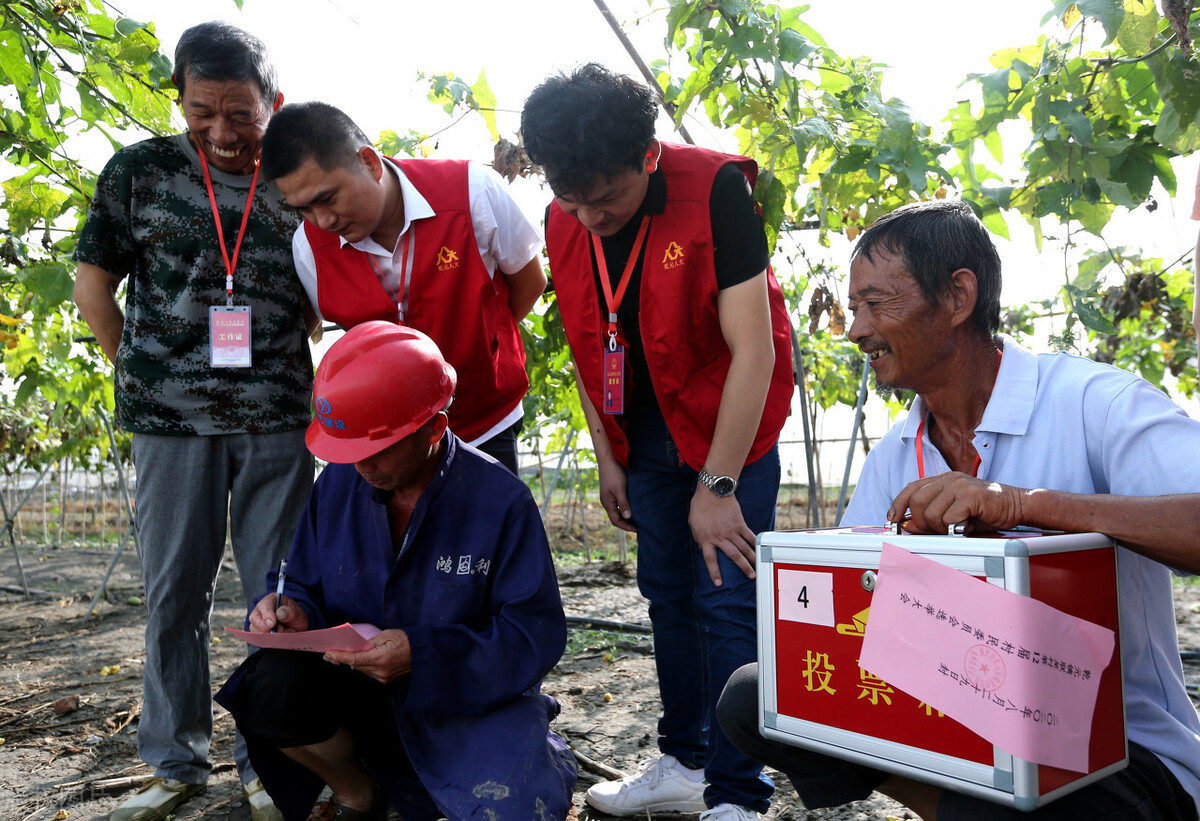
[{"x": 279, "y": 590}]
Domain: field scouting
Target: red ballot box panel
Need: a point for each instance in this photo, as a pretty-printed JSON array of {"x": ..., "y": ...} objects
[{"x": 815, "y": 695}]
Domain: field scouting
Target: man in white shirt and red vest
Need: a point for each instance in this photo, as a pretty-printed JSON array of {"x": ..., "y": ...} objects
[
  {"x": 681, "y": 344},
  {"x": 418, "y": 242}
]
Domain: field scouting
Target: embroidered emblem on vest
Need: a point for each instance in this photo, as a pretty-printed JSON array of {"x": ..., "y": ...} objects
[
  {"x": 673, "y": 257},
  {"x": 447, "y": 260}
]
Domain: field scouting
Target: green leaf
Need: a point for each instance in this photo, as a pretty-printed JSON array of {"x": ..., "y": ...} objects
[
  {"x": 14, "y": 63},
  {"x": 1089, "y": 270},
  {"x": 26, "y": 389},
  {"x": 994, "y": 222},
  {"x": 991, "y": 141},
  {"x": 1081, "y": 302},
  {"x": 1179, "y": 85},
  {"x": 772, "y": 197},
  {"x": 1109, "y": 13},
  {"x": 127, "y": 25},
  {"x": 1140, "y": 27},
  {"x": 1092, "y": 216},
  {"x": 680, "y": 12},
  {"x": 794, "y": 47},
  {"x": 1164, "y": 170},
  {"x": 50, "y": 283},
  {"x": 161, "y": 71},
  {"x": 485, "y": 104},
  {"x": 812, "y": 127},
  {"x": 1092, "y": 319},
  {"x": 30, "y": 203},
  {"x": 1176, "y": 130},
  {"x": 1067, "y": 112}
]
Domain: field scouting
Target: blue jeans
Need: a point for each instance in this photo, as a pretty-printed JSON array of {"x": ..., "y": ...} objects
[{"x": 702, "y": 633}]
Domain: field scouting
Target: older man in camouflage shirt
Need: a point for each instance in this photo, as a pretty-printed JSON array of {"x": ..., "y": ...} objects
[{"x": 213, "y": 378}]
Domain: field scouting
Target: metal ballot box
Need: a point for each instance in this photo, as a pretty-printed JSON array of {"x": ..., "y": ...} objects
[{"x": 813, "y": 693}]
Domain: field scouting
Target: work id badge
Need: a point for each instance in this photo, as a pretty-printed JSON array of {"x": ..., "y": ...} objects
[
  {"x": 229, "y": 336},
  {"x": 614, "y": 379}
]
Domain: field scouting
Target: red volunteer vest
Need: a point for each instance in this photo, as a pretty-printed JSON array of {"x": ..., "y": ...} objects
[
  {"x": 451, "y": 297},
  {"x": 685, "y": 350}
]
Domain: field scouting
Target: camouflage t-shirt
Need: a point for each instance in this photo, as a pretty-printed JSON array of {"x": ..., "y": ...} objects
[{"x": 151, "y": 222}]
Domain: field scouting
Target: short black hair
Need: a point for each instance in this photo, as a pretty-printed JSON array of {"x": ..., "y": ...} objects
[
  {"x": 310, "y": 131},
  {"x": 588, "y": 125},
  {"x": 933, "y": 240},
  {"x": 220, "y": 51}
]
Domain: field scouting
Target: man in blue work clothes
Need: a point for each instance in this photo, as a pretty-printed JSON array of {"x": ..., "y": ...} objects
[{"x": 441, "y": 547}]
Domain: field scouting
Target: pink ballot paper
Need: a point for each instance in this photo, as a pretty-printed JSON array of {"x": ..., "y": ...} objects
[
  {"x": 1012, "y": 669},
  {"x": 343, "y": 637}
]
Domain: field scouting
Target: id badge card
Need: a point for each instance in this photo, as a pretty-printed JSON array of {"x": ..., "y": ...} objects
[
  {"x": 614, "y": 379},
  {"x": 229, "y": 336}
]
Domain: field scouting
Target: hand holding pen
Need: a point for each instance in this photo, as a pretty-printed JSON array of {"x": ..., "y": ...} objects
[
  {"x": 275, "y": 613},
  {"x": 279, "y": 589}
]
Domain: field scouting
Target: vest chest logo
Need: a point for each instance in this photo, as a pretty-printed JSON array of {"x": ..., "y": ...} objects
[
  {"x": 447, "y": 260},
  {"x": 673, "y": 256}
]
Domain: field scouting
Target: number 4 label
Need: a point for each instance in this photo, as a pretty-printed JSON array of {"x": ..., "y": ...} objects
[{"x": 805, "y": 596}]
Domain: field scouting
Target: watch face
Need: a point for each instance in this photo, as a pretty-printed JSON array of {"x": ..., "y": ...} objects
[{"x": 723, "y": 486}]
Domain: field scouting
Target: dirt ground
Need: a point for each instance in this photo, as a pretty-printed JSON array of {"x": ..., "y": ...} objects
[{"x": 83, "y": 764}]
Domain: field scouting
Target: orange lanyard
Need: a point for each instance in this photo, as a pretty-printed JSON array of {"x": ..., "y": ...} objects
[
  {"x": 921, "y": 452},
  {"x": 230, "y": 265},
  {"x": 409, "y": 240},
  {"x": 614, "y": 302},
  {"x": 921, "y": 435}
]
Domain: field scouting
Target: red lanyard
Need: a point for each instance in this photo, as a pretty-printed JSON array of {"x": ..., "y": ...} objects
[
  {"x": 921, "y": 435},
  {"x": 409, "y": 240},
  {"x": 614, "y": 302},
  {"x": 230, "y": 265}
]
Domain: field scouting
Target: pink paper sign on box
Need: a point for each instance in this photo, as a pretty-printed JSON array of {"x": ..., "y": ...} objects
[
  {"x": 1018, "y": 672},
  {"x": 347, "y": 637}
]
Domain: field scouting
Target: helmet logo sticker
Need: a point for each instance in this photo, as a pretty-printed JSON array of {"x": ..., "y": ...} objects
[{"x": 324, "y": 409}]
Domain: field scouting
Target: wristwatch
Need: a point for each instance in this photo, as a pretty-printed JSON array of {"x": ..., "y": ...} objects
[{"x": 720, "y": 485}]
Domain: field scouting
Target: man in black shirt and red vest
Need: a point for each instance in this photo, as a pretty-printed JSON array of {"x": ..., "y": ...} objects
[
  {"x": 681, "y": 344},
  {"x": 437, "y": 245}
]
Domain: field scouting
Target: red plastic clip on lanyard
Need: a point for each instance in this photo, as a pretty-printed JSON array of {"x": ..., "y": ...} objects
[{"x": 230, "y": 265}]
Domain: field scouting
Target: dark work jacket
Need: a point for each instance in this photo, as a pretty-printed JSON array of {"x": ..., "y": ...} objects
[{"x": 474, "y": 588}]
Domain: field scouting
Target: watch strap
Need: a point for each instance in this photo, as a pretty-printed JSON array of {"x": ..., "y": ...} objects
[{"x": 714, "y": 482}]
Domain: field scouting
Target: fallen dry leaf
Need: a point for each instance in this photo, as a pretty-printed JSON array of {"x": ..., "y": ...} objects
[{"x": 66, "y": 704}]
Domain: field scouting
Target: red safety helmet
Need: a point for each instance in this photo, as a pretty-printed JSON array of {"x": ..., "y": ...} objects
[{"x": 376, "y": 385}]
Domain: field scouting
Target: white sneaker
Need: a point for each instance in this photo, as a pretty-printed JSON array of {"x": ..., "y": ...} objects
[
  {"x": 155, "y": 800},
  {"x": 262, "y": 808},
  {"x": 730, "y": 812},
  {"x": 661, "y": 785}
]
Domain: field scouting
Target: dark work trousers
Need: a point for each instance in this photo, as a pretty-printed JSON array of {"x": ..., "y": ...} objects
[
  {"x": 503, "y": 446},
  {"x": 1143, "y": 791}
]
